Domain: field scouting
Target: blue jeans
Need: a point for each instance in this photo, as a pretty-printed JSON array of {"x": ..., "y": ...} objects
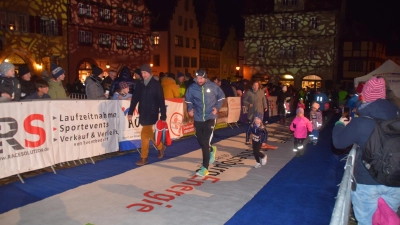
[
  {"x": 314, "y": 136},
  {"x": 365, "y": 200}
]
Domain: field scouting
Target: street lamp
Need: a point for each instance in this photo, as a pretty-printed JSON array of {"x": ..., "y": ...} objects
[
  {"x": 151, "y": 64},
  {"x": 237, "y": 68},
  {"x": 108, "y": 66}
]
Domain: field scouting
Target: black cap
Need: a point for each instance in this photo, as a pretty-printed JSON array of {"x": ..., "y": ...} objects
[
  {"x": 201, "y": 73},
  {"x": 22, "y": 70},
  {"x": 96, "y": 71}
]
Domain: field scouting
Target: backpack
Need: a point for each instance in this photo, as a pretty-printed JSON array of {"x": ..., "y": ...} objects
[{"x": 381, "y": 154}]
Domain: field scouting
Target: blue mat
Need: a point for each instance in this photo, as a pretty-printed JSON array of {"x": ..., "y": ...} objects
[
  {"x": 303, "y": 192},
  {"x": 42, "y": 186}
]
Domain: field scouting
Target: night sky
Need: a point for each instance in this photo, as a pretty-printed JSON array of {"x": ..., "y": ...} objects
[{"x": 382, "y": 17}]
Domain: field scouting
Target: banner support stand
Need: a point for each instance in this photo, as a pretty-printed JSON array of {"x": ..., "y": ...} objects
[
  {"x": 92, "y": 160},
  {"x": 20, "y": 178},
  {"x": 235, "y": 123},
  {"x": 52, "y": 168}
]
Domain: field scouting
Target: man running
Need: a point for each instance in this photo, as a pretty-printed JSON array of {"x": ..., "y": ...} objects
[{"x": 204, "y": 98}]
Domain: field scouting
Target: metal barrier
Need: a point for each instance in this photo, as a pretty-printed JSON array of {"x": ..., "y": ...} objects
[
  {"x": 77, "y": 96},
  {"x": 341, "y": 211}
]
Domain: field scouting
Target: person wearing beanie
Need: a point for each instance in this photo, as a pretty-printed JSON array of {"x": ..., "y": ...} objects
[
  {"x": 357, "y": 131},
  {"x": 180, "y": 81},
  {"x": 137, "y": 74},
  {"x": 204, "y": 99},
  {"x": 56, "y": 88},
  {"x": 124, "y": 76},
  {"x": 300, "y": 126},
  {"x": 316, "y": 121},
  {"x": 150, "y": 96},
  {"x": 94, "y": 89},
  {"x": 169, "y": 87},
  {"x": 123, "y": 92},
  {"x": 27, "y": 86},
  {"x": 10, "y": 88},
  {"x": 259, "y": 134}
]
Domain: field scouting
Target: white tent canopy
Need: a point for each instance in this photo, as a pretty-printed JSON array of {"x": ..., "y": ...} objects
[{"x": 390, "y": 71}]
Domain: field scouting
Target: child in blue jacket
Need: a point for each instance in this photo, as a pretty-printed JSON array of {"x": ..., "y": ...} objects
[{"x": 259, "y": 135}]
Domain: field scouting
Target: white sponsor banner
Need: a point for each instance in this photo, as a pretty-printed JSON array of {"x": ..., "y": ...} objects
[
  {"x": 174, "y": 116},
  {"x": 84, "y": 128},
  {"x": 129, "y": 130},
  {"x": 25, "y": 137},
  {"x": 234, "y": 107},
  {"x": 394, "y": 84}
]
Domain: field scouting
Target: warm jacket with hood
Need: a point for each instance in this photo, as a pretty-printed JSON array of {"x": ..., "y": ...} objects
[
  {"x": 226, "y": 88},
  {"x": 11, "y": 86},
  {"x": 56, "y": 90},
  {"x": 203, "y": 99},
  {"x": 300, "y": 126},
  {"x": 27, "y": 87},
  {"x": 260, "y": 133},
  {"x": 169, "y": 88},
  {"x": 125, "y": 76},
  {"x": 359, "y": 130},
  {"x": 258, "y": 101},
  {"x": 321, "y": 98},
  {"x": 94, "y": 89},
  {"x": 151, "y": 102}
]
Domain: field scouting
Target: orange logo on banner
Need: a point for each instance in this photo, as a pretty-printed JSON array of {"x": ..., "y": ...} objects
[{"x": 176, "y": 123}]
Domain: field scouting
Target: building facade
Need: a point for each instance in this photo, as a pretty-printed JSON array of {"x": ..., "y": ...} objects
[
  {"x": 293, "y": 44},
  {"x": 229, "y": 56},
  {"x": 360, "y": 57},
  {"x": 175, "y": 36},
  {"x": 210, "y": 39},
  {"x": 34, "y": 32},
  {"x": 108, "y": 34}
]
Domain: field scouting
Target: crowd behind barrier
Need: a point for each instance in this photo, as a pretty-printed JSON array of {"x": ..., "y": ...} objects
[
  {"x": 341, "y": 211},
  {"x": 39, "y": 134}
]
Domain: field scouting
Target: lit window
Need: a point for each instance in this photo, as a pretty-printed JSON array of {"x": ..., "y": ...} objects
[{"x": 156, "y": 40}]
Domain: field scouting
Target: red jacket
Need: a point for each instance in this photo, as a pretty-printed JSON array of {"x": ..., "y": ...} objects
[{"x": 162, "y": 133}]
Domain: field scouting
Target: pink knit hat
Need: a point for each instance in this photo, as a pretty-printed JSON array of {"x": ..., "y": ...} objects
[{"x": 374, "y": 89}]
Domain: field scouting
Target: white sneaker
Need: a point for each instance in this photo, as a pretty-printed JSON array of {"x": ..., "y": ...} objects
[
  {"x": 257, "y": 165},
  {"x": 264, "y": 160}
]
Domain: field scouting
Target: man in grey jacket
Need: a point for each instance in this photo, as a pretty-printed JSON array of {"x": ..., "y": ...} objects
[
  {"x": 204, "y": 98},
  {"x": 94, "y": 89}
]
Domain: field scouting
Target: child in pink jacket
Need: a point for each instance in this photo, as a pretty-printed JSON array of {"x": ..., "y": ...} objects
[{"x": 301, "y": 126}]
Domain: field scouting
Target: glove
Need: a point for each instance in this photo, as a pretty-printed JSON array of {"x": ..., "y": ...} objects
[
  {"x": 344, "y": 121},
  {"x": 294, "y": 126}
]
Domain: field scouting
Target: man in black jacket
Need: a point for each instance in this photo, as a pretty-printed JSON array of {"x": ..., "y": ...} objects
[{"x": 150, "y": 96}]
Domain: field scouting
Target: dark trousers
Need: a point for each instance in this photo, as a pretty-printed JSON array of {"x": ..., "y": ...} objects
[
  {"x": 204, "y": 134},
  {"x": 298, "y": 145},
  {"x": 257, "y": 151}
]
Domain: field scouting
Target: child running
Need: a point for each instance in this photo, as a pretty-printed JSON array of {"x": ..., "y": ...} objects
[
  {"x": 316, "y": 121},
  {"x": 300, "y": 126},
  {"x": 260, "y": 134},
  {"x": 301, "y": 104}
]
